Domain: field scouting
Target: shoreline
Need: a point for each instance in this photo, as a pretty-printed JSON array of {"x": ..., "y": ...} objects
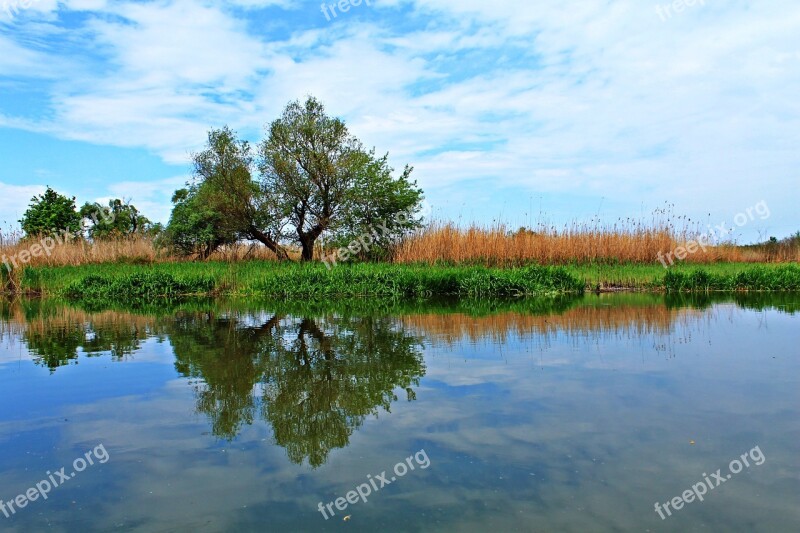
[{"x": 383, "y": 280}]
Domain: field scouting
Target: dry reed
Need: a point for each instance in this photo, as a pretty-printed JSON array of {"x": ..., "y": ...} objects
[{"x": 626, "y": 242}]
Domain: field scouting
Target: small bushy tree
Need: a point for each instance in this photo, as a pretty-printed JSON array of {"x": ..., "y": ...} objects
[
  {"x": 119, "y": 219},
  {"x": 375, "y": 201},
  {"x": 223, "y": 173},
  {"x": 51, "y": 213},
  {"x": 194, "y": 227}
]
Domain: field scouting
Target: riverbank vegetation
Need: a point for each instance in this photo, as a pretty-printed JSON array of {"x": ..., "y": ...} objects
[
  {"x": 297, "y": 280},
  {"x": 310, "y": 191},
  {"x": 626, "y": 241},
  {"x": 442, "y": 243}
]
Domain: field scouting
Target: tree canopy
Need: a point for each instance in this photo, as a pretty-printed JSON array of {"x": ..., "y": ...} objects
[
  {"x": 50, "y": 213},
  {"x": 319, "y": 174},
  {"x": 223, "y": 204},
  {"x": 119, "y": 219},
  {"x": 313, "y": 178},
  {"x": 195, "y": 228}
]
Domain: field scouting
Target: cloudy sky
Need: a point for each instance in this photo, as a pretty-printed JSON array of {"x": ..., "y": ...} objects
[{"x": 508, "y": 110}]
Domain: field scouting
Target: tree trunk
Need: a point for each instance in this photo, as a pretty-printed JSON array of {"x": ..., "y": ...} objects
[
  {"x": 307, "y": 240},
  {"x": 308, "y": 248},
  {"x": 206, "y": 251},
  {"x": 270, "y": 243}
]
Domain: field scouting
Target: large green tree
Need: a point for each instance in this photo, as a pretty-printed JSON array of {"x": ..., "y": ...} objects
[
  {"x": 223, "y": 171},
  {"x": 223, "y": 204},
  {"x": 317, "y": 174},
  {"x": 50, "y": 213}
]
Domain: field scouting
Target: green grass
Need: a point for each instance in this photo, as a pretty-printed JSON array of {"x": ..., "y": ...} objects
[
  {"x": 757, "y": 278},
  {"x": 730, "y": 276},
  {"x": 304, "y": 281},
  {"x": 294, "y": 281}
]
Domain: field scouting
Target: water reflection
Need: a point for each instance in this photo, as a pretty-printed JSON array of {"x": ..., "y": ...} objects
[
  {"x": 56, "y": 337},
  {"x": 566, "y": 414},
  {"x": 313, "y": 380},
  {"x": 315, "y": 372}
]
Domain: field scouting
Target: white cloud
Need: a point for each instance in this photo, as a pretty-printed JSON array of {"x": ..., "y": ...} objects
[
  {"x": 14, "y": 200},
  {"x": 604, "y": 98},
  {"x": 151, "y": 198}
]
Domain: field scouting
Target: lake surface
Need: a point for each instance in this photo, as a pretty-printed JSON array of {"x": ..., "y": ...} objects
[{"x": 567, "y": 414}]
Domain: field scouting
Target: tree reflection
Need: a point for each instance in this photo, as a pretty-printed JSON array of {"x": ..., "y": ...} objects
[
  {"x": 55, "y": 346},
  {"x": 227, "y": 361},
  {"x": 57, "y": 340},
  {"x": 321, "y": 386},
  {"x": 314, "y": 380}
]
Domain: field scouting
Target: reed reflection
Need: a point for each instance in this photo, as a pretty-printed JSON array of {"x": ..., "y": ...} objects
[{"x": 315, "y": 372}]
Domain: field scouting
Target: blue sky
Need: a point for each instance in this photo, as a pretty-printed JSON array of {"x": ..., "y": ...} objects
[{"x": 508, "y": 110}]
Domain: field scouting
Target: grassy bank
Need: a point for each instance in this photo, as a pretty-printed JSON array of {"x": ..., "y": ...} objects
[
  {"x": 686, "y": 277},
  {"x": 292, "y": 280}
]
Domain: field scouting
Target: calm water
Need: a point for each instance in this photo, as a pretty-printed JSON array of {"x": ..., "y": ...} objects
[{"x": 540, "y": 415}]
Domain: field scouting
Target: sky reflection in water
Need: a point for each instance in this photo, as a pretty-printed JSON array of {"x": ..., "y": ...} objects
[{"x": 558, "y": 415}]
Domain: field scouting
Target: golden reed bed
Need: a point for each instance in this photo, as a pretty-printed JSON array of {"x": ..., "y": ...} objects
[
  {"x": 499, "y": 246},
  {"x": 444, "y": 242},
  {"x": 128, "y": 250}
]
